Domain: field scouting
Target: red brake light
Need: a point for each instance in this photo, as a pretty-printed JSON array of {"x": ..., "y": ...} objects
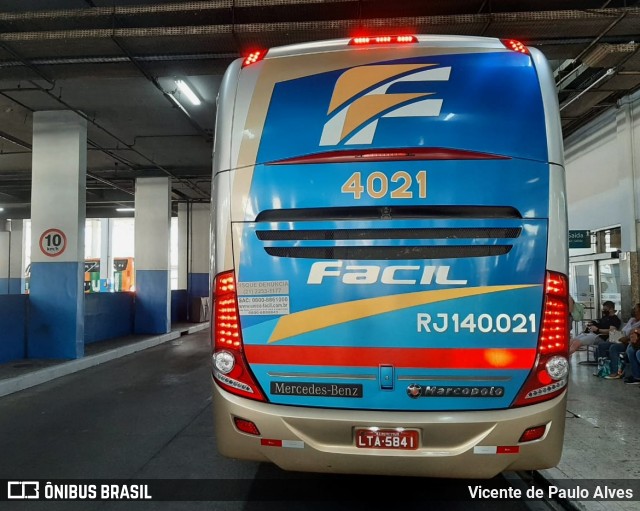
[
  {"x": 533, "y": 434},
  {"x": 383, "y": 39},
  {"x": 230, "y": 368},
  {"x": 412, "y": 153},
  {"x": 515, "y": 45},
  {"x": 554, "y": 333},
  {"x": 226, "y": 327},
  {"x": 246, "y": 426},
  {"x": 253, "y": 57},
  {"x": 553, "y": 344}
]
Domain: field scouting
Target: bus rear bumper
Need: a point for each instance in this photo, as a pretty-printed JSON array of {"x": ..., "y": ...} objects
[{"x": 473, "y": 444}]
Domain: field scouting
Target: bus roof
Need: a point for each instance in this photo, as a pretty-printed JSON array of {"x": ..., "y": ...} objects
[
  {"x": 460, "y": 93},
  {"x": 434, "y": 40}
]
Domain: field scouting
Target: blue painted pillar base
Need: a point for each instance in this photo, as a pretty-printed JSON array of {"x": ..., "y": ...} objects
[
  {"x": 198, "y": 284},
  {"x": 56, "y": 310},
  {"x": 153, "y": 302},
  {"x": 13, "y": 321},
  {"x": 15, "y": 286},
  {"x": 11, "y": 286}
]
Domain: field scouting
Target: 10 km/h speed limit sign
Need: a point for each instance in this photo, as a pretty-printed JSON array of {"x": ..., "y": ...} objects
[{"x": 53, "y": 242}]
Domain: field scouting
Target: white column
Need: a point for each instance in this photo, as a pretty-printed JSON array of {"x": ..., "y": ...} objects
[
  {"x": 183, "y": 247},
  {"x": 106, "y": 259},
  {"x": 200, "y": 249},
  {"x": 152, "y": 246},
  {"x": 58, "y": 203},
  {"x": 17, "y": 265},
  {"x": 5, "y": 258}
]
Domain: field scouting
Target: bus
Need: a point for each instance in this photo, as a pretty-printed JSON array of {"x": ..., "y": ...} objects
[
  {"x": 390, "y": 260},
  {"x": 92, "y": 275},
  {"x": 91, "y": 282},
  {"x": 124, "y": 274}
]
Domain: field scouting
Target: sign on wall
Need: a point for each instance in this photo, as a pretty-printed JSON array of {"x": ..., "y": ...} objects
[
  {"x": 579, "y": 239},
  {"x": 53, "y": 242}
]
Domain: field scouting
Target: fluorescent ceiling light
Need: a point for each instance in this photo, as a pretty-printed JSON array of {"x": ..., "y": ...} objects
[
  {"x": 124, "y": 210},
  {"x": 186, "y": 90},
  {"x": 1, "y": 209}
]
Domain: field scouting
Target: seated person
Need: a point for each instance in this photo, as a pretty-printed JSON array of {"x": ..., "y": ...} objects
[
  {"x": 633, "y": 352},
  {"x": 613, "y": 349},
  {"x": 597, "y": 331}
]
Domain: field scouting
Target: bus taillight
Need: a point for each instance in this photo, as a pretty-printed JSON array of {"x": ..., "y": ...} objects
[
  {"x": 230, "y": 369},
  {"x": 549, "y": 376}
]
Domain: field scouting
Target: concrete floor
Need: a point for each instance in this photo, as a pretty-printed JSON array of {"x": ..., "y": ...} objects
[
  {"x": 602, "y": 439},
  {"x": 163, "y": 397}
]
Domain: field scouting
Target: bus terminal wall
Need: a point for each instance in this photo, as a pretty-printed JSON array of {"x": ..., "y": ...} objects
[
  {"x": 602, "y": 162},
  {"x": 106, "y": 316},
  {"x": 13, "y": 327}
]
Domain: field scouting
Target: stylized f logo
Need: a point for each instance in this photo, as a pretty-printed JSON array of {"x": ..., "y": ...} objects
[{"x": 354, "y": 113}]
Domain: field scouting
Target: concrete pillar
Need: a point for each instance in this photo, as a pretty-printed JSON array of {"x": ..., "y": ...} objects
[
  {"x": 152, "y": 246},
  {"x": 92, "y": 251},
  {"x": 183, "y": 245},
  {"x": 16, "y": 258},
  {"x": 5, "y": 257},
  {"x": 93, "y": 238},
  {"x": 627, "y": 153},
  {"x": 199, "y": 250},
  {"x": 194, "y": 247},
  {"x": 58, "y": 203},
  {"x": 106, "y": 258}
]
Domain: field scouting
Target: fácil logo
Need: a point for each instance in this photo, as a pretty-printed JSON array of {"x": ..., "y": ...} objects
[{"x": 365, "y": 94}]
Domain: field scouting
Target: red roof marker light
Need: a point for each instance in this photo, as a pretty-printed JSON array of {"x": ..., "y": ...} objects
[
  {"x": 514, "y": 45},
  {"x": 253, "y": 57},
  {"x": 383, "y": 39}
]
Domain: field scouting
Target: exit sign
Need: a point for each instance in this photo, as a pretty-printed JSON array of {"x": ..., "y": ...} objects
[{"x": 579, "y": 239}]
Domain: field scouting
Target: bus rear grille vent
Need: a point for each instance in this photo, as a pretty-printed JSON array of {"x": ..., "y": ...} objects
[
  {"x": 386, "y": 213},
  {"x": 390, "y": 234},
  {"x": 389, "y": 253}
]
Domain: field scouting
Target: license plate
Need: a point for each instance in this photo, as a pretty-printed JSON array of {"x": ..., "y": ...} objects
[{"x": 386, "y": 439}]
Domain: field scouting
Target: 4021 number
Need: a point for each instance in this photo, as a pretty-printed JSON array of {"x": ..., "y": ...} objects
[{"x": 377, "y": 185}]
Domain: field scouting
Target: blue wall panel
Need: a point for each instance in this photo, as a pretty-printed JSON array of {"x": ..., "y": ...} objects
[
  {"x": 198, "y": 284},
  {"x": 10, "y": 286},
  {"x": 179, "y": 305},
  {"x": 13, "y": 318},
  {"x": 56, "y": 325},
  {"x": 107, "y": 316},
  {"x": 15, "y": 286},
  {"x": 152, "y": 308}
]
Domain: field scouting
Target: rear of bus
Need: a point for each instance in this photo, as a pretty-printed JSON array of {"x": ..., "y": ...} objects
[
  {"x": 124, "y": 275},
  {"x": 92, "y": 275},
  {"x": 390, "y": 259}
]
